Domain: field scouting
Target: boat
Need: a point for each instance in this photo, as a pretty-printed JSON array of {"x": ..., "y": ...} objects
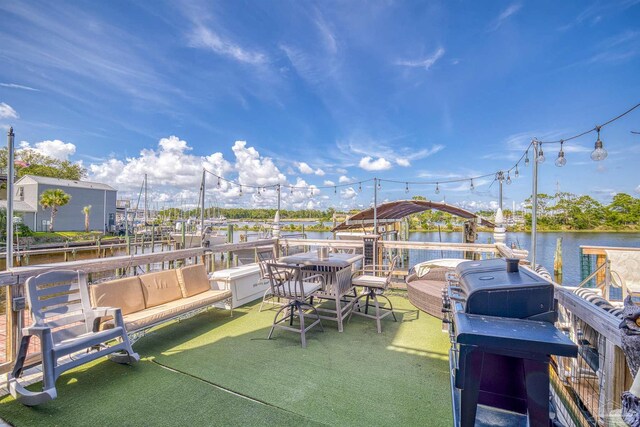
[{"x": 210, "y": 237}]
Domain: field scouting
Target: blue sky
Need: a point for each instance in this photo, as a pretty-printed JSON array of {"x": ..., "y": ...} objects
[{"x": 313, "y": 93}]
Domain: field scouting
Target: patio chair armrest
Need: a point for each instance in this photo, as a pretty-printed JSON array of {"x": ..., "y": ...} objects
[{"x": 35, "y": 330}]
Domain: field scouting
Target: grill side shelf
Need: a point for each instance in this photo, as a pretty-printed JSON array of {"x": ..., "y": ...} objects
[{"x": 507, "y": 334}]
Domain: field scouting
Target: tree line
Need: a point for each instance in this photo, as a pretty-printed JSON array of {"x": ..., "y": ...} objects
[{"x": 568, "y": 211}]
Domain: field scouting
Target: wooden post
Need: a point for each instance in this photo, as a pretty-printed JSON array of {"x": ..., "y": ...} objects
[
  {"x": 600, "y": 277},
  {"x": 557, "y": 261}
]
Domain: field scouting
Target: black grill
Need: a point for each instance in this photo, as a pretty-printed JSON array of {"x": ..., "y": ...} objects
[{"x": 500, "y": 319}]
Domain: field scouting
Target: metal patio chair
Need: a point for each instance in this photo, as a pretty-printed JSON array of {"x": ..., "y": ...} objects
[
  {"x": 66, "y": 325},
  {"x": 287, "y": 283},
  {"x": 374, "y": 281},
  {"x": 265, "y": 258}
]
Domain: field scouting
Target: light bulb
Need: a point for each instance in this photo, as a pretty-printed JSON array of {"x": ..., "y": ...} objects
[
  {"x": 526, "y": 158},
  {"x": 472, "y": 187},
  {"x": 599, "y": 153},
  {"x": 541, "y": 157},
  {"x": 508, "y": 178},
  {"x": 240, "y": 194},
  {"x": 561, "y": 160},
  {"x": 335, "y": 190},
  {"x": 379, "y": 185},
  {"x": 359, "y": 187},
  {"x": 406, "y": 187},
  {"x": 437, "y": 189},
  {"x": 218, "y": 182},
  {"x": 516, "y": 173}
]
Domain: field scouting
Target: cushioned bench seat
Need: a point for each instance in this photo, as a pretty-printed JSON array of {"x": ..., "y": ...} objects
[
  {"x": 154, "y": 298},
  {"x": 161, "y": 313}
]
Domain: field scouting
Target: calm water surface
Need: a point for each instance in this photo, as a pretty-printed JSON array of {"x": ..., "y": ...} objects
[{"x": 571, "y": 243}]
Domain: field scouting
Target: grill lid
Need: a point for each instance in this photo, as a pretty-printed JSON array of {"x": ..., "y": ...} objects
[{"x": 490, "y": 290}]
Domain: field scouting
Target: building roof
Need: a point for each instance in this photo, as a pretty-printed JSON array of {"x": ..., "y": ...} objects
[
  {"x": 394, "y": 211},
  {"x": 33, "y": 179},
  {"x": 18, "y": 206}
]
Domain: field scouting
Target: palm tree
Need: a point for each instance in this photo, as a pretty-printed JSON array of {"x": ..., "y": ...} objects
[
  {"x": 86, "y": 211},
  {"x": 53, "y": 199}
]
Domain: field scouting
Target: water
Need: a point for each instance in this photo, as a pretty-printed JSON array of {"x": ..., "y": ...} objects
[{"x": 571, "y": 243}]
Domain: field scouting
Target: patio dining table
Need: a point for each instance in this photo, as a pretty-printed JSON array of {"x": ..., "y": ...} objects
[{"x": 337, "y": 269}]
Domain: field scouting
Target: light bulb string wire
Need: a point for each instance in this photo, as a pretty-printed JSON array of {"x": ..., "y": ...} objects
[{"x": 292, "y": 187}]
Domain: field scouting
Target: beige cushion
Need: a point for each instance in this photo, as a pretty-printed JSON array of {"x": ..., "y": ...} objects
[
  {"x": 161, "y": 287},
  {"x": 370, "y": 281},
  {"x": 160, "y": 313},
  {"x": 193, "y": 280},
  {"x": 125, "y": 294}
]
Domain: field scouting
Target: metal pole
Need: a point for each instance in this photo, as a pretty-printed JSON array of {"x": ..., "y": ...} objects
[
  {"x": 375, "y": 205},
  {"x": 10, "y": 172},
  {"x": 500, "y": 182},
  {"x": 534, "y": 205},
  {"x": 276, "y": 220}
]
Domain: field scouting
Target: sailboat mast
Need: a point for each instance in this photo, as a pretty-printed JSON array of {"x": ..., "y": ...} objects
[
  {"x": 202, "y": 188},
  {"x": 145, "y": 200}
]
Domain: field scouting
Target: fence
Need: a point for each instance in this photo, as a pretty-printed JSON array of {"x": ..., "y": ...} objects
[{"x": 590, "y": 385}]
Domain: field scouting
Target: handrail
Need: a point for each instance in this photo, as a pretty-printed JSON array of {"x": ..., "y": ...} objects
[{"x": 19, "y": 275}]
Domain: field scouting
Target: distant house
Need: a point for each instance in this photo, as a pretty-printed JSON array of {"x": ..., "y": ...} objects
[{"x": 70, "y": 217}]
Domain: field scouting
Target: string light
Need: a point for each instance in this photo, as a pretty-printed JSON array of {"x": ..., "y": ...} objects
[
  {"x": 335, "y": 189},
  {"x": 541, "y": 157},
  {"x": 240, "y": 194},
  {"x": 561, "y": 160},
  {"x": 599, "y": 153}
]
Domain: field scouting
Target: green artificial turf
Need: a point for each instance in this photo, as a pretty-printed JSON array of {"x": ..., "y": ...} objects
[{"x": 357, "y": 377}]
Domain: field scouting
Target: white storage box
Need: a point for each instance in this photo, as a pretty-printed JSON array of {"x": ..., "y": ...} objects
[{"x": 244, "y": 282}]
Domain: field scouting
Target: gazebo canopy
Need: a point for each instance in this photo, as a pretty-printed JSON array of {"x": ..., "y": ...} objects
[{"x": 394, "y": 211}]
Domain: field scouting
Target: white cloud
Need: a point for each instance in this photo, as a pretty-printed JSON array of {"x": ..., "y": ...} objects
[
  {"x": 511, "y": 10},
  {"x": 367, "y": 163},
  {"x": 304, "y": 168},
  {"x": 7, "y": 112},
  {"x": 401, "y": 161},
  {"x": 344, "y": 179},
  {"x": 168, "y": 167},
  {"x": 329, "y": 182},
  {"x": 425, "y": 63},
  {"x": 57, "y": 149},
  {"x": 203, "y": 37},
  {"x": 637, "y": 190},
  {"x": 254, "y": 169},
  {"x": 319, "y": 172},
  {"x": 348, "y": 193},
  {"x": 16, "y": 86}
]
